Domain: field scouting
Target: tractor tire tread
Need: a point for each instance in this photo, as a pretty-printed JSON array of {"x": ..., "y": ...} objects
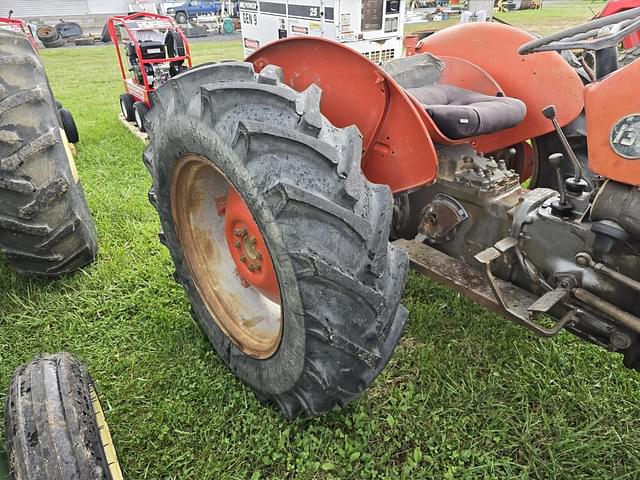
[
  {"x": 45, "y": 225},
  {"x": 350, "y": 338},
  {"x": 51, "y": 427}
]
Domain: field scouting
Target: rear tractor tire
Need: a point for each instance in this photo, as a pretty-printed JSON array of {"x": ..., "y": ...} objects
[
  {"x": 45, "y": 225},
  {"x": 278, "y": 239},
  {"x": 55, "y": 425}
]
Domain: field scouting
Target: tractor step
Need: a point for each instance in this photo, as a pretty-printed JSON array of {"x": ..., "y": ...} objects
[{"x": 464, "y": 278}]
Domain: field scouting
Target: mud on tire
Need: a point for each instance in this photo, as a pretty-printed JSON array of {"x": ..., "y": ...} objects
[
  {"x": 326, "y": 227},
  {"x": 51, "y": 427},
  {"x": 45, "y": 225}
]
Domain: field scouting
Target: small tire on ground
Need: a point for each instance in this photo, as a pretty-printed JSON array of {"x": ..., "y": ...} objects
[
  {"x": 140, "y": 111},
  {"x": 45, "y": 225},
  {"x": 628, "y": 56},
  {"x": 126, "y": 107},
  {"x": 69, "y": 125},
  {"x": 326, "y": 226},
  {"x": 84, "y": 41},
  {"x": 181, "y": 17},
  {"x": 47, "y": 33},
  {"x": 52, "y": 426},
  {"x": 59, "y": 42}
]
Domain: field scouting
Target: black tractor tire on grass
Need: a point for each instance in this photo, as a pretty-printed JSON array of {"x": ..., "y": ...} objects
[
  {"x": 69, "y": 125},
  {"x": 54, "y": 425},
  {"x": 47, "y": 33},
  {"x": 340, "y": 279},
  {"x": 126, "y": 107},
  {"x": 140, "y": 111},
  {"x": 628, "y": 56},
  {"x": 59, "y": 42},
  {"x": 182, "y": 17},
  {"x": 86, "y": 41},
  {"x": 45, "y": 225}
]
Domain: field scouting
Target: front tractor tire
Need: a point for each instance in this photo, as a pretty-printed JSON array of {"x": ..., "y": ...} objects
[
  {"x": 226, "y": 142},
  {"x": 55, "y": 424},
  {"x": 45, "y": 225}
]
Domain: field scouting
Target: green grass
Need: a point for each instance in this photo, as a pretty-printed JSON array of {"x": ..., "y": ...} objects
[
  {"x": 552, "y": 17},
  {"x": 467, "y": 394}
]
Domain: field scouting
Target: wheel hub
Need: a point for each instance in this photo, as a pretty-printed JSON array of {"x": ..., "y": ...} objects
[{"x": 248, "y": 249}]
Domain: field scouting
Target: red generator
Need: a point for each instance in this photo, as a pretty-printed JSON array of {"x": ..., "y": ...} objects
[{"x": 155, "y": 49}]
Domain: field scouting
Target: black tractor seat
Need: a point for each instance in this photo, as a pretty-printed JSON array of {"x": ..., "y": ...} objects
[{"x": 461, "y": 113}]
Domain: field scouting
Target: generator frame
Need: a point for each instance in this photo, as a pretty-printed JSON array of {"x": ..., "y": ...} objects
[
  {"x": 137, "y": 22},
  {"x": 374, "y": 28}
]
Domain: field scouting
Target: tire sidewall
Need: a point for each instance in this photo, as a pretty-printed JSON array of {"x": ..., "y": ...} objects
[
  {"x": 126, "y": 106},
  {"x": 280, "y": 372}
]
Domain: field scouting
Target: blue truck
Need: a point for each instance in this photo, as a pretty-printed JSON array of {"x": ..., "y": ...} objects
[{"x": 192, "y": 8}]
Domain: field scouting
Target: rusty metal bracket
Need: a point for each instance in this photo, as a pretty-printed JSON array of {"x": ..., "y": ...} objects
[{"x": 541, "y": 305}]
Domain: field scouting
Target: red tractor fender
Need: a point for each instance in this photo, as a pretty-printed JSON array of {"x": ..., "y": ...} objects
[
  {"x": 397, "y": 148},
  {"x": 539, "y": 79}
]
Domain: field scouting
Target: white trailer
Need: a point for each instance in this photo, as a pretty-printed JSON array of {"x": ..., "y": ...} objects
[{"x": 372, "y": 27}]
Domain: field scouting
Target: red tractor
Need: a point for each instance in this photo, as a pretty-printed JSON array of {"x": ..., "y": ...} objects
[
  {"x": 66, "y": 118},
  {"x": 295, "y": 189},
  {"x": 630, "y": 44},
  {"x": 155, "y": 50},
  {"x": 19, "y": 26}
]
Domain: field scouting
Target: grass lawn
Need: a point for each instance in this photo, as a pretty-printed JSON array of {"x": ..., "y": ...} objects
[
  {"x": 552, "y": 17},
  {"x": 467, "y": 394}
]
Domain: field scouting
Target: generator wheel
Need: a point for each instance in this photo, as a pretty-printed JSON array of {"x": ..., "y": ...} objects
[
  {"x": 278, "y": 239},
  {"x": 628, "y": 56},
  {"x": 126, "y": 107},
  {"x": 55, "y": 425},
  {"x": 139, "y": 112},
  {"x": 69, "y": 125},
  {"x": 45, "y": 225}
]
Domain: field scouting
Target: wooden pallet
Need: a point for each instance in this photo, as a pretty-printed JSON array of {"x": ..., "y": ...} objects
[{"x": 133, "y": 128}]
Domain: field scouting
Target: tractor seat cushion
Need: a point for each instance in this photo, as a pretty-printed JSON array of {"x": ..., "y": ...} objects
[{"x": 461, "y": 113}]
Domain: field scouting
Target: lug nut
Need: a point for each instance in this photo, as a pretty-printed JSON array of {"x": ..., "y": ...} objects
[
  {"x": 237, "y": 244},
  {"x": 243, "y": 259}
]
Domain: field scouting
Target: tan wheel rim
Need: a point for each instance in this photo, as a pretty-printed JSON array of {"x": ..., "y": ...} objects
[{"x": 248, "y": 318}]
